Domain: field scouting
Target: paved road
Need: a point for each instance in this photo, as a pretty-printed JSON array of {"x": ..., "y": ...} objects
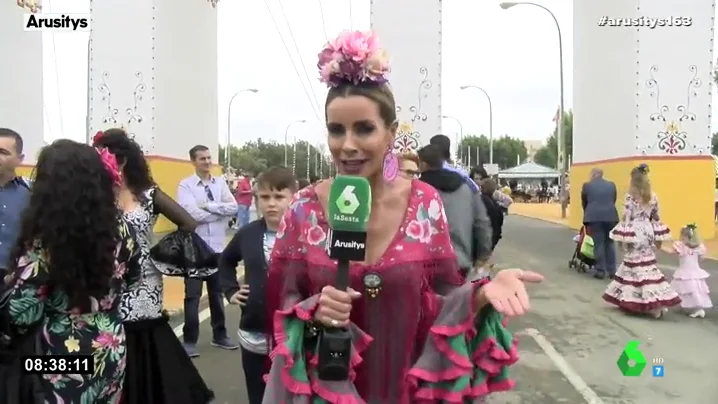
[{"x": 570, "y": 342}]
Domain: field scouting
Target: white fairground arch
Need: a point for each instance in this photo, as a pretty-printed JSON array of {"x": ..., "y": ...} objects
[
  {"x": 21, "y": 93},
  {"x": 643, "y": 95},
  {"x": 414, "y": 46},
  {"x": 157, "y": 77},
  {"x": 153, "y": 70}
]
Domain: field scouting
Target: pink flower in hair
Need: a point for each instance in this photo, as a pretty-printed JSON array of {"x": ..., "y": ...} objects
[
  {"x": 110, "y": 162},
  {"x": 97, "y": 137},
  {"x": 354, "y": 57}
]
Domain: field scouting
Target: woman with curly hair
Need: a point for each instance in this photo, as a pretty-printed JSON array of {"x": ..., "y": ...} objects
[
  {"x": 69, "y": 268},
  {"x": 158, "y": 368},
  {"x": 639, "y": 286}
]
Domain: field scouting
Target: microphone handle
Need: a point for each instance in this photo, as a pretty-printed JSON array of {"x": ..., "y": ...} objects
[{"x": 342, "y": 281}]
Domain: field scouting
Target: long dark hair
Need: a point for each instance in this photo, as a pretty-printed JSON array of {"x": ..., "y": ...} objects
[
  {"x": 135, "y": 169},
  {"x": 72, "y": 217}
]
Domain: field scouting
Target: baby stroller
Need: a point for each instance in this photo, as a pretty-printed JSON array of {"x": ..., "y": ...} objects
[{"x": 583, "y": 258}]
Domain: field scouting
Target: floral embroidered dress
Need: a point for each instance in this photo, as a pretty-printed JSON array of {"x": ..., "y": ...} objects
[
  {"x": 68, "y": 331},
  {"x": 415, "y": 338},
  {"x": 639, "y": 285}
]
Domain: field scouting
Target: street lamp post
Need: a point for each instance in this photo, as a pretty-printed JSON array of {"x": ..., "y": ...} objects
[
  {"x": 561, "y": 149},
  {"x": 309, "y": 158},
  {"x": 227, "y": 151},
  {"x": 461, "y": 134},
  {"x": 491, "y": 121},
  {"x": 286, "y": 132}
]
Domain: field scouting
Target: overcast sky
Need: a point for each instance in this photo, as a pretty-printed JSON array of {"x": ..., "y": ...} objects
[{"x": 512, "y": 54}]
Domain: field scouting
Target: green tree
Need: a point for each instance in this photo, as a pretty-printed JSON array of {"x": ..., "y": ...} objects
[
  {"x": 548, "y": 154},
  {"x": 507, "y": 150},
  {"x": 714, "y": 144},
  {"x": 256, "y": 156}
]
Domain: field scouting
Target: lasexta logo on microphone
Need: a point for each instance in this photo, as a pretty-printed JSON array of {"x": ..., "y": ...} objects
[
  {"x": 349, "y": 204},
  {"x": 349, "y": 207}
]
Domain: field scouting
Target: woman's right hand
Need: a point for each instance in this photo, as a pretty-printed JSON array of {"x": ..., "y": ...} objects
[{"x": 334, "y": 306}]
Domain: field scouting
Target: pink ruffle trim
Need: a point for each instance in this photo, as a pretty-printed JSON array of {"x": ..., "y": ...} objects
[
  {"x": 489, "y": 357},
  {"x": 314, "y": 387}
]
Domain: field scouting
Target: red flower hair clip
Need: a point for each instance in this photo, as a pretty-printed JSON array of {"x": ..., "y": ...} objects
[
  {"x": 96, "y": 138},
  {"x": 110, "y": 162}
]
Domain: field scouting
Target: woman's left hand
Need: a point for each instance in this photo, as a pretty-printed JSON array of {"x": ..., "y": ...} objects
[{"x": 506, "y": 291}]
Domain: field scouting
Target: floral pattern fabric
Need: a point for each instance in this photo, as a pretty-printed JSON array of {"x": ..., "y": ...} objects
[
  {"x": 638, "y": 285},
  {"x": 412, "y": 302},
  {"x": 68, "y": 331}
]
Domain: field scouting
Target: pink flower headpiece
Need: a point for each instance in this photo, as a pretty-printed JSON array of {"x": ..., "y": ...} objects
[
  {"x": 353, "y": 57},
  {"x": 110, "y": 162},
  {"x": 97, "y": 137}
]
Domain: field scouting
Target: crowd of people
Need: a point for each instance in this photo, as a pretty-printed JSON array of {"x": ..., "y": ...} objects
[
  {"x": 80, "y": 275},
  {"x": 426, "y": 316}
]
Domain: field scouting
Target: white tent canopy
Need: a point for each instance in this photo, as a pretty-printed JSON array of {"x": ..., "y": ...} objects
[{"x": 529, "y": 170}]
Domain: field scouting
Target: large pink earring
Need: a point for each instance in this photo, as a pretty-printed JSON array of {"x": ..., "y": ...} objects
[{"x": 390, "y": 166}]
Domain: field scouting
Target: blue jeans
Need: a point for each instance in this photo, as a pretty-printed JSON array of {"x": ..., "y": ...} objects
[
  {"x": 603, "y": 246},
  {"x": 242, "y": 216}
]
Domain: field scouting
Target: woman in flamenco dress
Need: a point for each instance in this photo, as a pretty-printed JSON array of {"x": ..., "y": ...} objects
[
  {"x": 639, "y": 286},
  {"x": 420, "y": 333}
]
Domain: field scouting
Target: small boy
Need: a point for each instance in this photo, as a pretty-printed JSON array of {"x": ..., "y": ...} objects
[{"x": 275, "y": 188}]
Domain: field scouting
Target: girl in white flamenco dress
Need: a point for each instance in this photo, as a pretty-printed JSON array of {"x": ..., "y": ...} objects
[{"x": 639, "y": 286}]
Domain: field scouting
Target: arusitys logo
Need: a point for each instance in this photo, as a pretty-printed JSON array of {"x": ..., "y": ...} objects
[{"x": 57, "y": 22}]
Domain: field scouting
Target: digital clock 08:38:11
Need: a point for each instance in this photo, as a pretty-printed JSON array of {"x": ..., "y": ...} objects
[{"x": 59, "y": 364}]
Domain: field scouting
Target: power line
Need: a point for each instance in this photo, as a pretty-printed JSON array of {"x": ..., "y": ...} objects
[
  {"x": 299, "y": 53},
  {"x": 289, "y": 54},
  {"x": 351, "y": 16},
  {"x": 324, "y": 24}
]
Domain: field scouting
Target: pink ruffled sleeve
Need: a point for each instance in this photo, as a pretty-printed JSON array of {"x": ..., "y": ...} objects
[
  {"x": 466, "y": 354},
  {"x": 679, "y": 248},
  {"x": 682, "y": 249}
]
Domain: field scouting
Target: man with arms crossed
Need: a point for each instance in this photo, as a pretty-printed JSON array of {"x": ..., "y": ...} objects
[
  {"x": 14, "y": 195},
  {"x": 210, "y": 202},
  {"x": 598, "y": 198}
]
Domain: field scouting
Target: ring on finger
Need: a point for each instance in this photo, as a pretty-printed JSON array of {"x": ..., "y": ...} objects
[{"x": 334, "y": 323}]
